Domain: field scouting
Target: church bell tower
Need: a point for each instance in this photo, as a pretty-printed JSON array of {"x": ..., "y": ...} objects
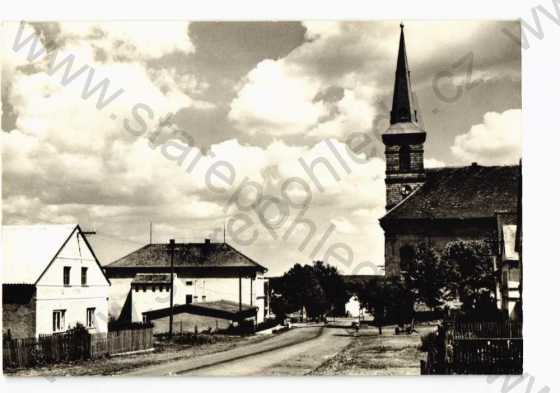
[{"x": 404, "y": 139}]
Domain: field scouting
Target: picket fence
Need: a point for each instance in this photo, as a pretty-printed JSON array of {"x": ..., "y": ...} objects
[
  {"x": 476, "y": 348},
  {"x": 72, "y": 346}
]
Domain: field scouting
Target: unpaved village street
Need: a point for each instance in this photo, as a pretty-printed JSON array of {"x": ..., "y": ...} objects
[
  {"x": 306, "y": 349},
  {"x": 310, "y": 350}
]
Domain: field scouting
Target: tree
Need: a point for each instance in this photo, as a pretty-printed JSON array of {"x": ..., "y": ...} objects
[
  {"x": 471, "y": 275},
  {"x": 399, "y": 301},
  {"x": 427, "y": 277},
  {"x": 331, "y": 282},
  {"x": 302, "y": 288}
]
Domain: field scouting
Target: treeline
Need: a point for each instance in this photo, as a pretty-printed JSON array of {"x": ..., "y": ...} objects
[{"x": 461, "y": 276}]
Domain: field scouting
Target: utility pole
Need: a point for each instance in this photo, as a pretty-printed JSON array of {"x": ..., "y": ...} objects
[
  {"x": 150, "y": 232},
  {"x": 172, "y": 251},
  {"x": 240, "y": 304}
]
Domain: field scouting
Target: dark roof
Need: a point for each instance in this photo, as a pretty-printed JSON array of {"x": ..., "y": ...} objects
[
  {"x": 224, "y": 309},
  {"x": 152, "y": 278},
  {"x": 206, "y": 255},
  {"x": 461, "y": 193}
]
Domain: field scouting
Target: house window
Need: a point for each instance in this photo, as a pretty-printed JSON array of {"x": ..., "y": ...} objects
[
  {"x": 188, "y": 299},
  {"x": 90, "y": 317},
  {"x": 66, "y": 276},
  {"x": 203, "y": 298},
  {"x": 188, "y": 283},
  {"x": 58, "y": 323},
  {"x": 84, "y": 276}
]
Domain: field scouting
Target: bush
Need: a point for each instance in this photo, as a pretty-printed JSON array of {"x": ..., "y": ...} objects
[
  {"x": 267, "y": 324},
  {"x": 194, "y": 339}
]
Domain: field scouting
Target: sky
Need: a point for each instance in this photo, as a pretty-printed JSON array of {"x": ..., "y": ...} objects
[{"x": 267, "y": 131}]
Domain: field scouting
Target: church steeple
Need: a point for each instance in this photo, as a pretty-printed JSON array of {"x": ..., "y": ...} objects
[
  {"x": 403, "y": 110},
  {"x": 404, "y": 139}
]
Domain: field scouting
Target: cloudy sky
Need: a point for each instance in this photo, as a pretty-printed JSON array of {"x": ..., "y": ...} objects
[{"x": 207, "y": 123}]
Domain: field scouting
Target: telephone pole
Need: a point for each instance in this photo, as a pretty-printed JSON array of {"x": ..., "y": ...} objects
[{"x": 172, "y": 251}]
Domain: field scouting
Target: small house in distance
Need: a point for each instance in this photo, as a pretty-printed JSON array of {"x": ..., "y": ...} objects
[
  {"x": 206, "y": 275},
  {"x": 51, "y": 281}
]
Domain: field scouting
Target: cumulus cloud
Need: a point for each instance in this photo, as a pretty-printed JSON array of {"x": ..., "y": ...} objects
[
  {"x": 277, "y": 99},
  {"x": 290, "y": 97},
  {"x": 357, "y": 58},
  {"x": 496, "y": 141},
  {"x": 130, "y": 40}
]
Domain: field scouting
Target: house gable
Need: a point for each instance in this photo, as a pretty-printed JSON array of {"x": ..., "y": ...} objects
[{"x": 76, "y": 254}]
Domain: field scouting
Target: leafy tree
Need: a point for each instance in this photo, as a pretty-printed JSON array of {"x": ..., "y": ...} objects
[
  {"x": 470, "y": 274},
  {"x": 331, "y": 282},
  {"x": 302, "y": 288},
  {"x": 399, "y": 301},
  {"x": 427, "y": 277}
]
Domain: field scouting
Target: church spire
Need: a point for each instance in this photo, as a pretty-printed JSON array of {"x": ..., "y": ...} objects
[
  {"x": 403, "y": 104},
  {"x": 405, "y": 137}
]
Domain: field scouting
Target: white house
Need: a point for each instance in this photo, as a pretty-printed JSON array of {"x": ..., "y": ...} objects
[
  {"x": 204, "y": 274},
  {"x": 51, "y": 281},
  {"x": 510, "y": 274}
]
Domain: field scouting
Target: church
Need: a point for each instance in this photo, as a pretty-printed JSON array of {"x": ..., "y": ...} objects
[{"x": 437, "y": 205}]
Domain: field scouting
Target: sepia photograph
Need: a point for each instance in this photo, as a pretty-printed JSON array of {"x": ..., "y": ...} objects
[{"x": 262, "y": 198}]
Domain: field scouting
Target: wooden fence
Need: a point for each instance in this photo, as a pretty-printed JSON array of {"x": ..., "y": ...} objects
[
  {"x": 121, "y": 341},
  {"x": 476, "y": 348},
  {"x": 71, "y": 346}
]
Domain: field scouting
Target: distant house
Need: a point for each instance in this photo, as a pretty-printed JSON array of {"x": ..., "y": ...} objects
[
  {"x": 353, "y": 283},
  {"x": 204, "y": 273},
  {"x": 353, "y": 308},
  {"x": 51, "y": 281},
  {"x": 509, "y": 291}
]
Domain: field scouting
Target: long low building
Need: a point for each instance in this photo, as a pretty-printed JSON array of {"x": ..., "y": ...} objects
[{"x": 203, "y": 273}]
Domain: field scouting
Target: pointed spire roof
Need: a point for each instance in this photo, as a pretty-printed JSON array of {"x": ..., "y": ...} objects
[
  {"x": 403, "y": 110},
  {"x": 406, "y": 126}
]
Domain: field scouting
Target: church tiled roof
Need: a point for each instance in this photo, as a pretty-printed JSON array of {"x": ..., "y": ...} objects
[
  {"x": 196, "y": 255},
  {"x": 473, "y": 191}
]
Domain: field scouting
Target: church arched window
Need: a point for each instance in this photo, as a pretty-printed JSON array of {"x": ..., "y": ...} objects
[
  {"x": 406, "y": 257},
  {"x": 404, "y": 158}
]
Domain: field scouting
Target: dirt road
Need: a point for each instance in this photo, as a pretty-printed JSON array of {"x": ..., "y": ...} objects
[{"x": 296, "y": 352}]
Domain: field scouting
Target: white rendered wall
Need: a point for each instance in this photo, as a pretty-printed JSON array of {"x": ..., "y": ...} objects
[{"x": 75, "y": 298}]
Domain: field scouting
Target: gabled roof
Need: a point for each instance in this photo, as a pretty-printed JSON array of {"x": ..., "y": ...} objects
[
  {"x": 28, "y": 250},
  {"x": 211, "y": 255},
  {"x": 461, "y": 193}
]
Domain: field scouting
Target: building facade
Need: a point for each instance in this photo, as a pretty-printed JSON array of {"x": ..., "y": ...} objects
[
  {"x": 202, "y": 273},
  {"x": 52, "y": 281}
]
